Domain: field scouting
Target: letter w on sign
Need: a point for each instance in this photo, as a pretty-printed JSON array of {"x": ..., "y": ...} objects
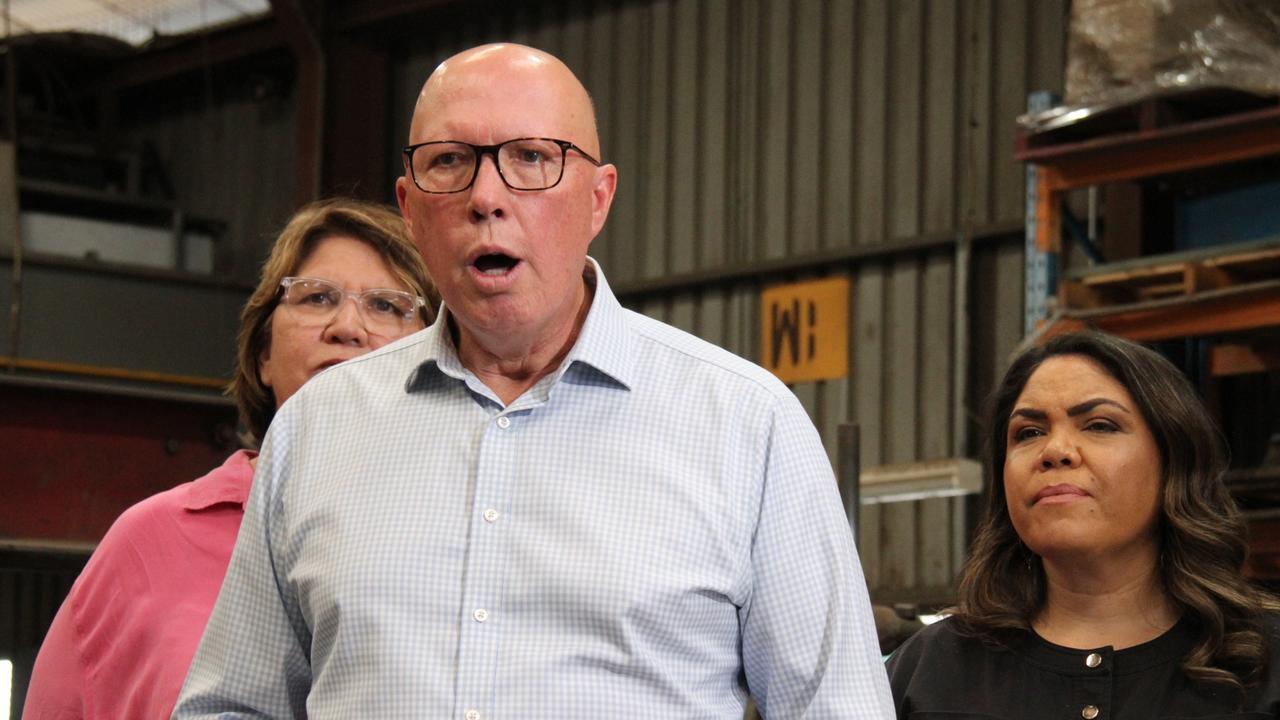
[{"x": 805, "y": 333}]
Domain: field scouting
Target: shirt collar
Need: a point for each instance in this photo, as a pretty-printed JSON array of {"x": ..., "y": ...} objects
[
  {"x": 605, "y": 338},
  {"x": 227, "y": 483},
  {"x": 602, "y": 344},
  {"x": 1171, "y": 646}
]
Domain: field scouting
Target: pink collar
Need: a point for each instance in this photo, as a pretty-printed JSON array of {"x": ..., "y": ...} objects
[{"x": 227, "y": 483}]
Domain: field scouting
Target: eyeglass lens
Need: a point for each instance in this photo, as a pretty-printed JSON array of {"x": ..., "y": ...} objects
[
  {"x": 319, "y": 300},
  {"x": 526, "y": 164}
]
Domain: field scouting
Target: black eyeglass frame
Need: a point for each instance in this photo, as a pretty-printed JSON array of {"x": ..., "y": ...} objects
[{"x": 482, "y": 150}]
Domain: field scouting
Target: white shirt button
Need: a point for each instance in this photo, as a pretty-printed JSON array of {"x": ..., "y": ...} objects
[
  {"x": 1089, "y": 712},
  {"x": 491, "y": 515},
  {"x": 473, "y": 715},
  {"x": 1093, "y": 660},
  {"x": 504, "y": 422},
  {"x": 480, "y": 615}
]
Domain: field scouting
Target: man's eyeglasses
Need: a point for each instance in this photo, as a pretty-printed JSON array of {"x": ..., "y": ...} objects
[
  {"x": 448, "y": 166},
  {"x": 385, "y": 312}
]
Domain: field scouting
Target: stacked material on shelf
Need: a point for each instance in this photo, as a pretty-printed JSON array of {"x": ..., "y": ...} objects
[{"x": 1123, "y": 51}]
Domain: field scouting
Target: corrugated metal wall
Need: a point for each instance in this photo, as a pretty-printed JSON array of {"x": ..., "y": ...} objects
[
  {"x": 32, "y": 586},
  {"x": 229, "y": 159},
  {"x": 806, "y": 138},
  {"x": 762, "y": 129}
]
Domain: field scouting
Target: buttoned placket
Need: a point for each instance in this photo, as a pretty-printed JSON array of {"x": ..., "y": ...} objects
[
  {"x": 480, "y": 629},
  {"x": 1093, "y": 687}
]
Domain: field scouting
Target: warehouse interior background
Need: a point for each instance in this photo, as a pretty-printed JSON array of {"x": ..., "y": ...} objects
[{"x": 979, "y": 174}]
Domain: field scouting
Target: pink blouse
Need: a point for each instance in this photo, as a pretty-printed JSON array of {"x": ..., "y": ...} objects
[{"x": 123, "y": 639}]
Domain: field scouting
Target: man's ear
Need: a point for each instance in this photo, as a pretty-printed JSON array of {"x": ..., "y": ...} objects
[
  {"x": 402, "y": 192},
  {"x": 606, "y": 184}
]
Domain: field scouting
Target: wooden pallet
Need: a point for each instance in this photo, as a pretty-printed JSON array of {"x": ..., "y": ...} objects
[
  {"x": 1214, "y": 291},
  {"x": 1171, "y": 276}
]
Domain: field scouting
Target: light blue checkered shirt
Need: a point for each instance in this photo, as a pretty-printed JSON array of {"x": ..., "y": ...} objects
[{"x": 647, "y": 532}]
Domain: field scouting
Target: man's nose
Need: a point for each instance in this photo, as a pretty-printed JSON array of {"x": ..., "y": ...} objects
[{"x": 488, "y": 193}]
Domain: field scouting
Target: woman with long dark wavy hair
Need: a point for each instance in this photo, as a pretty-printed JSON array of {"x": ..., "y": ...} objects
[{"x": 1104, "y": 581}]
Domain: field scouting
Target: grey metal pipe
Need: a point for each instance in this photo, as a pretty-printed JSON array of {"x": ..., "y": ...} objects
[{"x": 11, "y": 112}]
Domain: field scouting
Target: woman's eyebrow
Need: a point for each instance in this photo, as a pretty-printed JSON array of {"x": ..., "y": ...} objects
[
  {"x": 1087, "y": 405},
  {"x": 1073, "y": 411},
  {"x": 1029, "y": 413}
]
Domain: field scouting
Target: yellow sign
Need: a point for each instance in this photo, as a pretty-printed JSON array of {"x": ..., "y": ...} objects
[{"x": 806, "y": 330}]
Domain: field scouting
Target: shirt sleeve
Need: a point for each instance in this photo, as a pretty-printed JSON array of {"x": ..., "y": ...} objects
[
  {"x": 58, "y": 676},
  {"x": 809, "y": 646},
  {"x": 253, "y": 659}
]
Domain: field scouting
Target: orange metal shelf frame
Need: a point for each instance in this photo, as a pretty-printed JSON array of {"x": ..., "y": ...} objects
[{"x": 1141, "y": 153}]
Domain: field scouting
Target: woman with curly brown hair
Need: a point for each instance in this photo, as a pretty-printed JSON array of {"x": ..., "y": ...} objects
[{"x": 1105, "y": 577}]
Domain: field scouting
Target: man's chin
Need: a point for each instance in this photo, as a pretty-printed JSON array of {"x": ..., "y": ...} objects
[{"x": 495, "y": 318}]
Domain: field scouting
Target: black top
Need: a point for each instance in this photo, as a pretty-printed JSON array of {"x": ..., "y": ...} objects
[{"x": 939, "y": 674}]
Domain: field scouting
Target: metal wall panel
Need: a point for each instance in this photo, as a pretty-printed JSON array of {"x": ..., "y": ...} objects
[
  {"x": 232, "y": 161},
  {"x": 760, "y": 129},
  {"x": 74, "y": 313},
  {"x": 32, "y": 587},
  {"x": 80, "y": 452},
  {"x": 757, "y": 131}
]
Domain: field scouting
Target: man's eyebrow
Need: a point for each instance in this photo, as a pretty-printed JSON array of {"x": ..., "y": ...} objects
[{"x": 1088, "y": 405}]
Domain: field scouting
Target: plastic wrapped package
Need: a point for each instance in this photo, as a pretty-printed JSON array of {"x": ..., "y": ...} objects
[{"x": 1121, "y": 51}]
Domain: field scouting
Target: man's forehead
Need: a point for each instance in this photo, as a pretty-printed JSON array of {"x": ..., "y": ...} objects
[
  {"x": 486, "y": 80},
  {"x": 485, "y": 114},
  {"x": 502, "y": 95},
  {"x": 504, "y": 65}
]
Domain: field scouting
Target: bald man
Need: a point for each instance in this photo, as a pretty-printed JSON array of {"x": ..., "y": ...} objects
[{"x": 544, "y": 505}]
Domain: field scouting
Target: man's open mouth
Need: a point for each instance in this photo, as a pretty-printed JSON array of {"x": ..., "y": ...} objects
[{"x": 495, "y": 264}]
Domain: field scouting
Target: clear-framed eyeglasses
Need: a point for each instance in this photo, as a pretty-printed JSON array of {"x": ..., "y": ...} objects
[
  {"x": 449, "y": 166},
  {"x": 384, "y": 311}
]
